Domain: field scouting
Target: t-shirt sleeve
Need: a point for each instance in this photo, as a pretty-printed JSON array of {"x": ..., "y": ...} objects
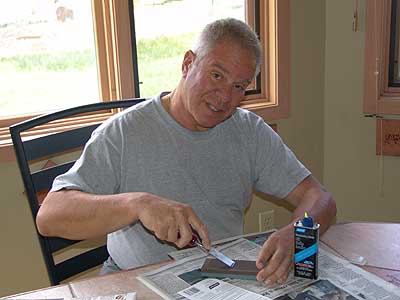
[
  {"x": 97, "y": 170},
  {"x": 277, "y": 170}
]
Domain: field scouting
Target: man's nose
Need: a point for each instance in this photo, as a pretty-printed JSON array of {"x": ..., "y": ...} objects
[{"x": 226, "y": 93}]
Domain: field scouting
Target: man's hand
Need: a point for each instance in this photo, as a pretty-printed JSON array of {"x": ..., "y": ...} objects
[
  {"x": 170, "y": 220},
  {"x": 275, "y": 259}
]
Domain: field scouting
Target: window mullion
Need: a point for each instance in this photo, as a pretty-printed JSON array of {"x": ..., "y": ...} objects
[
  {"x": 379, "y": 98},
  {"x": 122, "y": 50},
  {"x": 101, "y": 28}
]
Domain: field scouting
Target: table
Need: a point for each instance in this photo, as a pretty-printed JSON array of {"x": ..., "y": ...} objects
[{"x": 378, "y": 243}]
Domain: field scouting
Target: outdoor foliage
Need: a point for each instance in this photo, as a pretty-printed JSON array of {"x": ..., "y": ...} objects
[
  {"x": 49, "y": 71},
  {"x": 78, "y": 60}
]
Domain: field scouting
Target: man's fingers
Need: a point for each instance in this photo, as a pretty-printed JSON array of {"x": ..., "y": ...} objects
[
  {"x": 276, "y": 271},
  {"x": 277, "y": 254},
  {"x": 201, "y": 229},
  {"x": 282, "y": 272},
  {"x": 185, "y": 232},
  {"x": 284, "y": 278},
  {"x": 172, "y": 221},
  {"x": 265, "y": 254},
  {"x": 270, "y": 268},
  {"x": 172, "y": 233},
  {"x": 161, "y": 232}
]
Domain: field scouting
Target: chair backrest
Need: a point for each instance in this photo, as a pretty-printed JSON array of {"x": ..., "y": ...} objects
[{"x": 37, "y": 183}]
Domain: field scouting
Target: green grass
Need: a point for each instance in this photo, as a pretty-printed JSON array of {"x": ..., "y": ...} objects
[
  {"x": 62, "y": 61},
  {"x": 31, "y": 82},
  {"x": 160, "y": 75},
  {"x": 160, "y": 62},
  {"x": 149, "y": 50},
  {"x": 163, "y": 47}
]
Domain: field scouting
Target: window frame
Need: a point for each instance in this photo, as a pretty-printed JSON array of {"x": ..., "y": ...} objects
[
  {"x": 115, "y": 63},
  {"x": 273, "y": 101},
  {"x": 379, "y": 97},
  {"x": 114, "y": 57}
]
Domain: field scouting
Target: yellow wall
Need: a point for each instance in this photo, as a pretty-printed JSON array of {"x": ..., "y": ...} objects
[
  {"x": 352, "y": 171},
  {"x": 303, "y": 131},
  {"x": 21, "y": 259},
  {"x": 326, "y": 130}
]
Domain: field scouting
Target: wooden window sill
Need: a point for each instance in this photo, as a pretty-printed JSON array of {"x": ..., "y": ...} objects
[
  {"x": 262, "y": 108},
  {"x": 6, "y": 146}
]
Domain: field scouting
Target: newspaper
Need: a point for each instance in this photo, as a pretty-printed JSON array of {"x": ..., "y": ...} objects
[
  {"x": 127, "y": 296},
  {"x": 357, "y": 281},
  {"x": 259, "y": 238},
  {"x": 167, "y": 281},
  {"x": 339, "y": 279},
  {"x": 214, "y": 289}
]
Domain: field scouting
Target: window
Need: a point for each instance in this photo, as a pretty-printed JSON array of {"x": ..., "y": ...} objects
[
  {"x": 41, "y": 52},
  {"x": 273, "y": 101},
  {"x": 160, "y": 48},
  {"x": 175, "y": 35},
  {"x": 381, "y": 73},
  {"x": 120, "y": 75},
  {"x": 394, "y": 70},
  {"x": 55, "y": 51},
  {"x": 110, "y": 37}
]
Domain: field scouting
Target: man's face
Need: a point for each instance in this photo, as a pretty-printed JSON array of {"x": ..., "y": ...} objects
[{"x": 214, "y": 85}]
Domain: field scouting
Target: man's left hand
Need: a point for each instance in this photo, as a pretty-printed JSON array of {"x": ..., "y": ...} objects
[{"x": 275, "y": 259}]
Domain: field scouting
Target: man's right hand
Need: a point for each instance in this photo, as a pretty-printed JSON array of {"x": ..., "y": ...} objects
[
  {"x": 170, "y": 220},
  {"x": 79, "y": 215}
]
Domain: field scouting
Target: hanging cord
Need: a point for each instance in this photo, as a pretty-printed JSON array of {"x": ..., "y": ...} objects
[
  {"x": 377, "y": 116},
  {"x": 355, "y": 16},
  {"x": 379, "y": 119}
]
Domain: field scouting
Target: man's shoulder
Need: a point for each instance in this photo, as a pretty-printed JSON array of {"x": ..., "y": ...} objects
[
  {"x": 248, "y": 120},
  {"x": 246, "y": 115},
  {"x": 134, "y": 114},
  {"x": 146, "y": 106}
]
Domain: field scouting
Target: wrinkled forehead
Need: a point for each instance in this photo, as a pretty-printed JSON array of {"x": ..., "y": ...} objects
[
  {"x": 231, "y": 46},
  {"x": 233, "y": 59}
]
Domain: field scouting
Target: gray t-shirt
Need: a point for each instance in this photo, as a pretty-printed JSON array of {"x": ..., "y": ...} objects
[{"x": 143, "y": 149}]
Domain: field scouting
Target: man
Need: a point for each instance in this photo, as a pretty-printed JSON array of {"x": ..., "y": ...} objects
[{"x": 186, "y": 159}]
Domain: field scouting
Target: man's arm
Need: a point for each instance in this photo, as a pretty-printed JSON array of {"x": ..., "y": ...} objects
[
  {"x": 276, "y": 256},
  {"x": 78, "y": 215}
]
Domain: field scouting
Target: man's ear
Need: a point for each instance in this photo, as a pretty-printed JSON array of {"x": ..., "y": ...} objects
[{"x": 187, "y": 62}]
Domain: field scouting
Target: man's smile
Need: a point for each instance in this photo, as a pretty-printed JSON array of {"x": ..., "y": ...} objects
[{"x": 213, "y": 108}]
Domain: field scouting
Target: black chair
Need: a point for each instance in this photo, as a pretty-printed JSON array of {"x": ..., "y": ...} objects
[{"x": 44, "y": 147}]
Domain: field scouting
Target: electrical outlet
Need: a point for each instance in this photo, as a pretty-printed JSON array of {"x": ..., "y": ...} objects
[{"x": 266, "y": 220}]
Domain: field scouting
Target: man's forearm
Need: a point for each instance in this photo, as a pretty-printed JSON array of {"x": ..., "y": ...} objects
[
  {"x": 311, "y": 197},
  {"x": 77, "y": 215},
  {"x": 319, "y": 204}
]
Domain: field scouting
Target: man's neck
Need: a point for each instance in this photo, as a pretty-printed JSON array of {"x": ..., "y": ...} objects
[{"x": 166, "y": 102}]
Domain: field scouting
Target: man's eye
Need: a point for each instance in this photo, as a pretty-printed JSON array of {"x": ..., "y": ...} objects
[
  {"x": 240, "y": 87},
  {"x": 215, "y": 75}
]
